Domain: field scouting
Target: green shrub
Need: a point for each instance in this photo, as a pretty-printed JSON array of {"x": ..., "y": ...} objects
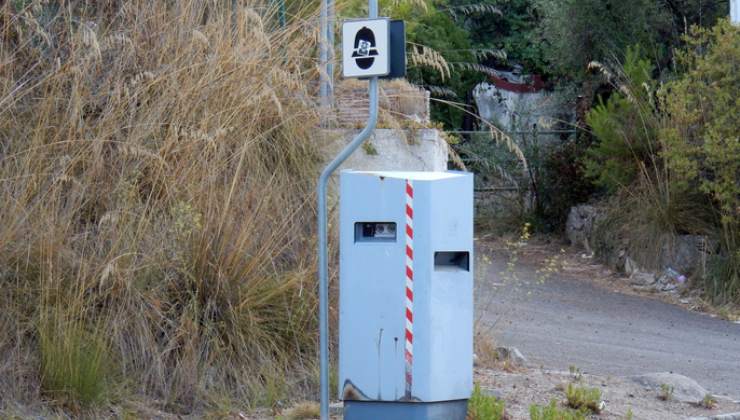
[
  {"x": 583, "y": 398},
  {"x": 75, "y": 363},
  {"x": 709, "y": 402},
  {"x": 677, "y": 149},
  {"x": 624, "y": 126},
  {"x": 484, "y": 407},
  {"x": 666, "y": 392},
  {"x": 553, "y": 412},
  {"x": 564, "y": 183},
  {"x": 701, "y": 145}
]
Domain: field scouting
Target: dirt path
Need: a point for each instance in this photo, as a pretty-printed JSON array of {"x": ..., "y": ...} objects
[{"x": 575, "y": 318}]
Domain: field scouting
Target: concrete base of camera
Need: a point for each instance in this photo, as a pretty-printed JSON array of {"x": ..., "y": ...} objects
[{"x": 374, "y": 410}]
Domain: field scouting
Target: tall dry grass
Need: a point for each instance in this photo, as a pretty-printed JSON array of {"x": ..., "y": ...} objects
[{"x": 156, "y": 179}]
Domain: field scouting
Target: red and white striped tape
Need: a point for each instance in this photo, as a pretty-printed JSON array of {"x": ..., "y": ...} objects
[{"x": 409, "y": 353}]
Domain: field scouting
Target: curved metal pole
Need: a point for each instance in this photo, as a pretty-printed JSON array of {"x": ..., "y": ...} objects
[
  {"x": 372, "y": 120},
  {"x": 323, "y": 240}
]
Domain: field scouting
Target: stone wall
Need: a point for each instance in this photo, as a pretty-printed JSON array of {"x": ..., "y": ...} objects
[
  {"x": 679, "y": 257},
  {"x": 400, "y": 104}
]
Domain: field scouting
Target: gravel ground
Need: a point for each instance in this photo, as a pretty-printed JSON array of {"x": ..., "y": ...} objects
[
  {"x": 522, "y": 388},
  {"x": 581, "y": 315}
]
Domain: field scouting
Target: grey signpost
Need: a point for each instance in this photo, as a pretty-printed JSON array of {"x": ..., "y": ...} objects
[{"x": 322, "y": 221}]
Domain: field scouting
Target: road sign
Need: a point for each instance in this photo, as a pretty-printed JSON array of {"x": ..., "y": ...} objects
[{"x": 366, "y": 48}]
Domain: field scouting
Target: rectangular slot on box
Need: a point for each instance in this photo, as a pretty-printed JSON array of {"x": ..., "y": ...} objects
[
  {"x": 452, "y": 260},
  {"x": 375, "y": 232}
]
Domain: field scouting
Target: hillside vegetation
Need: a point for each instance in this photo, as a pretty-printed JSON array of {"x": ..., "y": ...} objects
[
  {"x": 156, "y": 191},
  {"x": 648, "y": 91}
]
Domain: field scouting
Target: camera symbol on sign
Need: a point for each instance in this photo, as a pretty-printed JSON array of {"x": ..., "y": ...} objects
[{"x": 365, "y": 49}]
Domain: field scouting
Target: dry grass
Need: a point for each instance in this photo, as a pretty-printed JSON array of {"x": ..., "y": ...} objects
[
  {"x": 156, "y": 171},
  {"x": 485, "y": 349},
  {"x": 302, "y": 411}
]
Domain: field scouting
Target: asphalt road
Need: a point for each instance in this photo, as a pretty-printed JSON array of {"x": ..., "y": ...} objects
[{"x": 566, "y": 321}]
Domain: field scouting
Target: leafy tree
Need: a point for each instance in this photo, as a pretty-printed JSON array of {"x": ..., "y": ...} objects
[
  {"x": 437, "y": 30},
  {"x": 513, "y": 30},
  {"x": 624, "y": 126},
  {"x": 580, "y": 31},
  {"x": 697, "y": 12}
]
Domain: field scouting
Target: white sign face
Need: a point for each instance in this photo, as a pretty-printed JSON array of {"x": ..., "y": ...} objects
[{"x": 366, "y": 48}]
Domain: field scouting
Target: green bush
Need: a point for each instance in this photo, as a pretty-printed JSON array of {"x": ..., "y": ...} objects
[
  {"x": 701, "y": 145},
  {"x": 75, "y": 363},
  {"x": 553, "y": 412},
  {"x": 583, "y": 398},
  {"x": 677, "y": 149},
  {"x": 564, "y": 183},
  {"x": 625, "y": 127},
  {"x": 484, "y": 407}
]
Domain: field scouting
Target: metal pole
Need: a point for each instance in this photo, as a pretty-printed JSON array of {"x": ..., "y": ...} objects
[
  {"x": 323, "y": 237},
  {"x": 323, "y": 59},
  {"x": 331, "y": 26},
  {"x": 735, "y": 12}
]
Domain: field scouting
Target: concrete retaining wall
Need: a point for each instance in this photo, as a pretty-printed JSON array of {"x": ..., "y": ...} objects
[{"x": 391, "y": 149}]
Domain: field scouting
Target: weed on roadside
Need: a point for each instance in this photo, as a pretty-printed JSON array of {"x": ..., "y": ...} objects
[
  {"x": 485, "y": 407},
  {"x": 709, "y": 402},
  {"x": 575, "y": 372},
  {"x": 302, "y": 411},
  {"x": 486, "y": 355},
  {"x": 514, "y": 248},
  {"x": 580, "y": 398},
  {"x": 552, "y": 265},
  {"x": 666, "y": 392},
  {"x": 553, "y": 412}
]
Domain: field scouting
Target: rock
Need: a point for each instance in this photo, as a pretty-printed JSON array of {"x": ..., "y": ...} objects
[
  {"x": 580, "y": 224},
  {"x": 685, "y": 389},
  {"x": 512, "y": 354},
  {"x": 642, "y": 278},
  {"x": 684, "y": 252},
  {"x": 667, "y": 287},
  {"x": 670, "y": 280}
]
